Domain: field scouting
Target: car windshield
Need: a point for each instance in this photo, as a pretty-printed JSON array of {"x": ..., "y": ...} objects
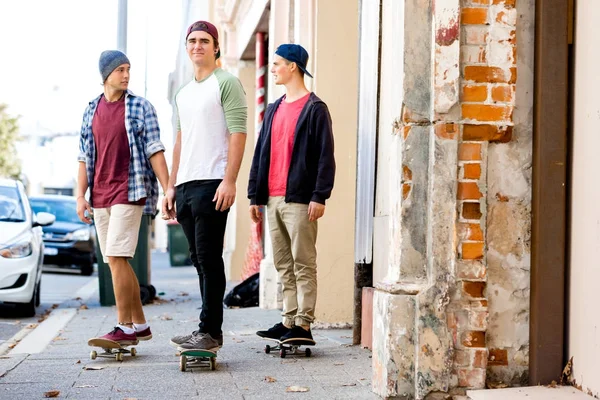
[
  {"x": 63, "y": 210},
  {"x": 11, "y": 209}
]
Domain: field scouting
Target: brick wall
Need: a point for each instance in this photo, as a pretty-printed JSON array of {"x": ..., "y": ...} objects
[{"x": 488, "y": 86}]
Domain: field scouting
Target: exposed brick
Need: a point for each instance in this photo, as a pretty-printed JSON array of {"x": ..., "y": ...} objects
[
  {"x": 475, "y": 34},
  {"x": 503, "y": 93},
  {"x": 462, "y": 358},
  {"x": 468, "y": 191},
  {"x": 471, "y": 378},
  {"x": 487, "y": 112},
  {"x": 406, "y": 174},
  {"x": 475, "y": 93},
  {"x": 472, "y": 171},
  {"x": 471, "y": 210},
  {"x": 474, "y": 288},
  {"x": 507, "y": 3},
  {"x": 471, "y": 269},
  {"x": 474, "y": 16},
  {"x": 473, "y": 339},
  {"x": 480, "y": 358},
  {"x": 472, "y": 251},
  {"x": 498, "y": 357},
  {"x": 491, "y": 133},
  {"x": 478, "y": 304},
  {"x": 473, "y": 54},
  {"x": 405, "y": 190},
  {"x": 470, "y": 232},
  {"x": 507, "y": 17},
  {"x": 469, "y": 152},
  {"x": 478, "y": 320},
  {"x": 446, "y": 131},
  {"x": 487, "y": 74}
]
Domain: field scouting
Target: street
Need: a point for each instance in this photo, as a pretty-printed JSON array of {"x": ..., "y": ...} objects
[{"x": 59, "y": 289}]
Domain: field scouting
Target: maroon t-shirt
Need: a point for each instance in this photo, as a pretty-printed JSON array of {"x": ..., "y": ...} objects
[{"x": 111, "y": 172}]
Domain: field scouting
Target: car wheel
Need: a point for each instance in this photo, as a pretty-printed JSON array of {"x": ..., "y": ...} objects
[{"x": 87, "y": 269}]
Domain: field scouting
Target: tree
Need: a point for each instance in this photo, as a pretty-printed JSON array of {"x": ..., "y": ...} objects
[{"x": 10, "y": 165}]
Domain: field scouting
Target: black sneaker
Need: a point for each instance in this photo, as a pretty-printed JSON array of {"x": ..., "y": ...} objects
[
  {"x": 299, "y": 334},
  {"x": 275, "y": 332}
]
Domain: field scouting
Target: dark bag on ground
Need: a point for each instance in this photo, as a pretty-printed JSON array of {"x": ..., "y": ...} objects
[{"x": 245, "y": 294}]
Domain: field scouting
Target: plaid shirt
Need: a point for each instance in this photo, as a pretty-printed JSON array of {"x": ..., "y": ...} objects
[{"x": 143, "y": 134}]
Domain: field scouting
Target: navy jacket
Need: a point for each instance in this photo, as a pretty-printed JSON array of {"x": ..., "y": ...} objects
[{"x": 312, "y": 167}]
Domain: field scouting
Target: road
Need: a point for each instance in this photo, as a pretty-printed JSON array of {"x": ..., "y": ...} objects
[{"x": 59, "y": 289}]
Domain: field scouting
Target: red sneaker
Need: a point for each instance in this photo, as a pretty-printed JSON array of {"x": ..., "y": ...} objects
[
  {"x": 144, "y": 335},
  {"x": 117, "y": 335}
]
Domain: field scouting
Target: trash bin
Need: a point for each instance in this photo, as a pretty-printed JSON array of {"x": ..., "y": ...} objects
[
  {"x": 179, "y": 252},
  {"x": 140, "y": 264}
]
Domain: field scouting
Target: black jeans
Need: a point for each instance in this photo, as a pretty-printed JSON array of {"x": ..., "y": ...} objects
[{"x": 204, "y": 228}]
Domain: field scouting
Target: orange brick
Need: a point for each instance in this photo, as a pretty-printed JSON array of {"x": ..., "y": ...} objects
[
  {"x": 498, "y": 357},
  {"x": 474, "y": 16},
  {"x": 486, "y": 74},
  {"x": 474, "y": 288},
  {"x": 468, "y": 191},
  {"x": 507, "y": 3},
  {"x": 406, "y": 173},
  {"x": 491, "y": 133},
  {"x": 472, "y": 251},
  {"x": 468, "y": 231},
  {"x": 472, "y": 171},
  {"x": 473, "y": 339},
  {"x": 405, "y": 190},
  {"x": 486, "y": 112},
  {"x": 475, "y": 93},
  {"x": 503, "y": 93},
  {"x": 471, "y": 211},
  {"x": 446, "y": 131},
  {"x": 469, "y": 152},
  {"x": 477, "y": 2}
]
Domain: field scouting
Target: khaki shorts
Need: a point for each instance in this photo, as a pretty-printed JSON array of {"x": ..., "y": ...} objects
[{"x": 117, "y": 228}]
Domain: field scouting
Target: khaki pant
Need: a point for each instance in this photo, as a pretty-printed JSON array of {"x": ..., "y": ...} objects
[
  {"x": 294, "y": 240},
  {"x": 117, "y": 230}
]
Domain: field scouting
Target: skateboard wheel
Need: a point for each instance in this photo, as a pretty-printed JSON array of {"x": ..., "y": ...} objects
[
  {"x": 282, "y": 353},
  {"x": 213, "y": 364},
  {"x": 133, "y": 352},
  {"x": 267, "y": 349},
  {"x": 307, "y": 352},
  {"x": 119, "y": 357},
  {"x": 93, "y": 355},
  {"x": 182, "y": 363}
]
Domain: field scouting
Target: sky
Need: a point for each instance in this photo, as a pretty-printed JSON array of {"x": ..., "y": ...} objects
[{"x": 49, "y": 69}]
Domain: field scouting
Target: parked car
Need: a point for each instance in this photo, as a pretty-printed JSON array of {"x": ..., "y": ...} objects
[
  {"x": 21, "y": 248},
  {"x": 69, "y": 243}
]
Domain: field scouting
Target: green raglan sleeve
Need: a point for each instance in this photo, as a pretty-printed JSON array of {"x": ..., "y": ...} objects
[{"x": 233, "y": 99}]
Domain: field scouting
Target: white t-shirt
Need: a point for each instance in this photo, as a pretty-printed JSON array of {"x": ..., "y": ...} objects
[{"x": 208, "y": 111}]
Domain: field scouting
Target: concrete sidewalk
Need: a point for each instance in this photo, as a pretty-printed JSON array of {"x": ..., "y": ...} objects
[{"x": 336, "y": 370}]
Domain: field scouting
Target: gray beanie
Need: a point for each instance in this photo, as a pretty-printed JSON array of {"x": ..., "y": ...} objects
[{"x": 109, "y": 60}]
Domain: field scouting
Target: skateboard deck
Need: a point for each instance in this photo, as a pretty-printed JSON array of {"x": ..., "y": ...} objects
[
  {"x": 111, "y": 349},
  {"x": 290, "y": 347},
  {"x": 197, "y": 358}
]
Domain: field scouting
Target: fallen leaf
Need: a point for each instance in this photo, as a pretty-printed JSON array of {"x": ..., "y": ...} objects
[
  {"x": 166, "y": 317},
  {"x": 83, "y": 307},
  {"x": 12, "y": 346},
  {"x": 93, "y": 368},
  {"x": 59, "y": 338},
  {"x": 52, "y": 393},
  {"x": 348, "y": 384},
  {"x": 338, "y": 363},
  {"x": 31, "y": 326},
  {"x": 183, "y": 294},
  {"x": 4, "y": 358},
  {"x": 296, "y": 389},
  {"x": 270, "y": 379},
  {"x": 78, "y": 362},
  {"x": 552, "y": 384},
  {"x": 77, "y": 298},
  {"x": 86, "y": 386},
  {"x": 238, "y": 340}
]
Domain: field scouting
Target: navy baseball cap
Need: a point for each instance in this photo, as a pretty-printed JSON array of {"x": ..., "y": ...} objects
[{"x": 294, "y": 53}]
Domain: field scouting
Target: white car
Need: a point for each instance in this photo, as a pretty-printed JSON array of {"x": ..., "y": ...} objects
[{"x": 21, "y": 248}]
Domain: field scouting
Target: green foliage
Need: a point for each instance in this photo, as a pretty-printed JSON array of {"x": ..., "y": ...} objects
[{"x": 10, "y": 166}]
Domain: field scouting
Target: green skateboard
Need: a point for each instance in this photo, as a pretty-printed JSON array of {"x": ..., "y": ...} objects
[
  {"x": 111, "y": 349},
  {"x": 197, "y": 358},
  {"x": 291, "y": 347}
]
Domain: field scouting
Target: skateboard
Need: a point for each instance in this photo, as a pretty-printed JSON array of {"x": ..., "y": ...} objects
[
  {"x": 197, "y": 358},
  {"x": 111, "y": 349},
  {"x": 290, "y": 347}
]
